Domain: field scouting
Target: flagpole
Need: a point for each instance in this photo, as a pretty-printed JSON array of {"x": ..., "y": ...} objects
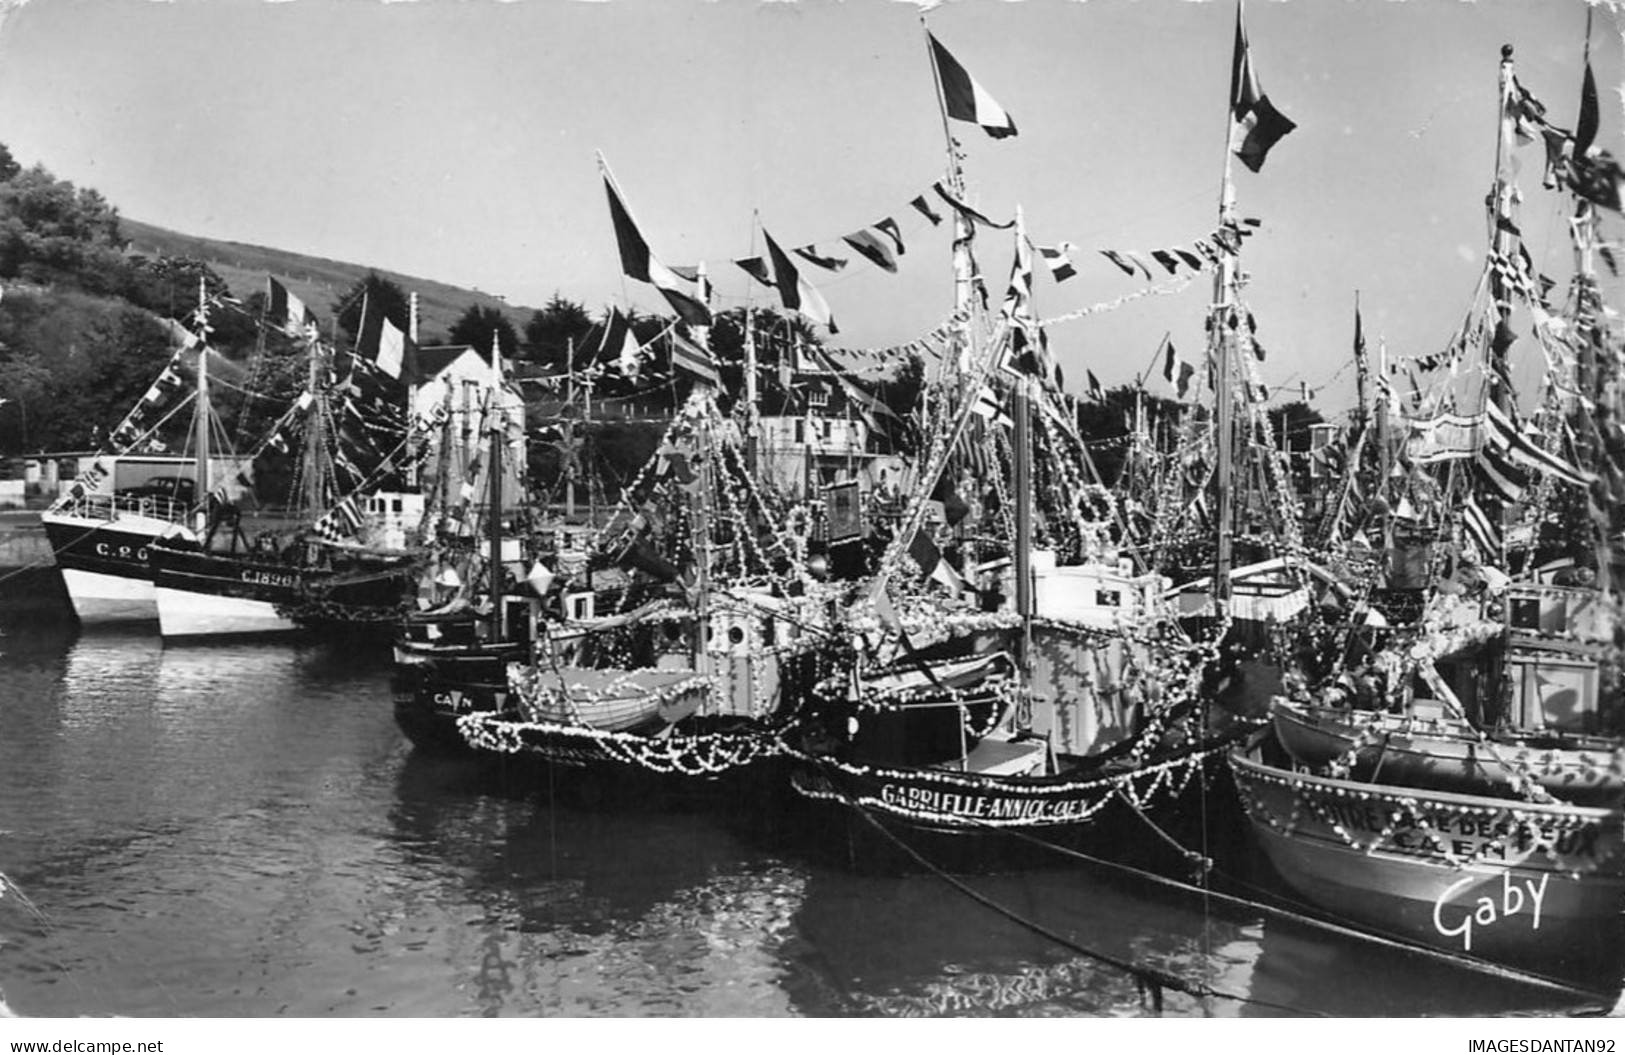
[
  {"x": 1224, "y": 281},
  {"x": 202, "y": 407},
  {"x": 964, "y": 230},
  {"x": 1501, "y": 204}
]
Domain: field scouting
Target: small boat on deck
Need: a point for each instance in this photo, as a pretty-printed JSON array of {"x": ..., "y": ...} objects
[{"x": 1442, "y": 752}]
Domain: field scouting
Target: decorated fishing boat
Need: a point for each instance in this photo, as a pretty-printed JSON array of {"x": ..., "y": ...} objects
[
  {"x": 351, "y": 567},
  {"x": 1534, "y": 883},
  {"x": 1104, "y": 738},
  {"x": 675, "y": 644},
  {"x": 103, "y": 525},
  {"x": 1457, "y": 781}
]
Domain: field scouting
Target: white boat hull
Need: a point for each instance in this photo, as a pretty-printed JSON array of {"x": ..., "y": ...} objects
[
  {"x": 183, "y": 613},
  {"x": 101, "y": 598}
]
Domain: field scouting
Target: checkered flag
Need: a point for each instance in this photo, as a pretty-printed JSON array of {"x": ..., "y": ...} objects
[{"x": 339, "y": 523}]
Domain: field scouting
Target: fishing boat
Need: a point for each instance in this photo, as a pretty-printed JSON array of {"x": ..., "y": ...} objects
[
  {"x": 214, "y": 581},
  {"x": 1105, "y": 738},
  {"x": 665, "y": 650},
  {"x": 104, "y": 524},
  {"x": 1503, "y": 879},
  {"x": 1458, "y": 782},
  {"x": 476, "y": 617}
]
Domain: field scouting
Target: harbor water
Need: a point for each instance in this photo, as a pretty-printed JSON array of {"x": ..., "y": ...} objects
[{"x": 241, "y": 830}]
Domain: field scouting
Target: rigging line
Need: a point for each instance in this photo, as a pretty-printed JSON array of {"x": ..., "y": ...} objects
[
  {"x": 1155, "y": 977},
  {"x": 1312, "y": 922}
]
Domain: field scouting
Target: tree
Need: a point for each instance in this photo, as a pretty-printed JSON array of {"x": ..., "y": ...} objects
[
  {"x": 8, "y": 164},
  {"x": 1106, "y": 423},
  {"x": 375, "y": 293},
  {"x": 1292, "y": 421},
  {"x": 477, "y": 324},
  {"x": 54, "y": 233},
  {"x": 554, "y": 330}
]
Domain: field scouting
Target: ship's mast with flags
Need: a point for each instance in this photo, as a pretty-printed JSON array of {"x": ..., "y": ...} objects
[{"x": 1252, "y": 126}]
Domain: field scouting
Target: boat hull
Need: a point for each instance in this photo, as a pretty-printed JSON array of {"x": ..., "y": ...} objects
[
  {"x": 104, "y": 564},
  {"x": 966, "y": 821},
  {"x": 1513, "y": 882},
  {"x": 433, "y": 688},
  {"x": 201, "y": 594}
]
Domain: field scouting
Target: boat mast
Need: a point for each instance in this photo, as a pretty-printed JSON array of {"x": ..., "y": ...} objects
[
  {"x": 964, "y": 230},
  {"x": 702, "y": 541},
  {"x": 752, "y": 419},
  {"x": 1502, "y": 221},
  {"x": 1222, "y": 337},
  {"x": 569, "y": 428},
  {"x": 315, "y": 444},
  {"x": 1021, "y": 442},
  {"x": 494, "y": 435},
  {"x": 203, "y": 412}
]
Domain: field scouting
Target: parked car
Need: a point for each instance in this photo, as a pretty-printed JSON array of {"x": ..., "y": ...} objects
[{"x": 179, "y": 489}]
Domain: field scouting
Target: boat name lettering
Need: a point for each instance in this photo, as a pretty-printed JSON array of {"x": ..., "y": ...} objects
[
  {"x": 269, "y": 578},
  {"x": 1459, "y": 834},
  {"x": 139, "y": 553},
  {"x": 981, "y": 807},
  {"x": 1516, "y": 896}
]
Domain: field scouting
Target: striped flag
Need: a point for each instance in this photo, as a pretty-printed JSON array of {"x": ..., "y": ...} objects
[
  {"x": 1501, "y": 436},
  {"x": 795, "y": 292},
  {"x": 864, "y": 242},
  {"x": 1059, "y": 260},
  {"x": 691, "y": 358},
  {"x": 639, "y": 263},
  {"x": 1481, "y": 529},
  {"x": 1256, "y": 124},
  {"x": 810, "y": 254},
  {"x": 964, "y": 99},
  {"x": 288, "y": 313}
]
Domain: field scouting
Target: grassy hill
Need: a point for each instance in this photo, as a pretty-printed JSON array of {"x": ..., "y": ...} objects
[{"x": 316, "y": 281}]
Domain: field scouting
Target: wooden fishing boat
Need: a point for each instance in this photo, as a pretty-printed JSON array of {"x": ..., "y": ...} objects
[
  {"x": 1455, "y": 787},
  {"x": 1102, "y": 738},
  {"x": 1504, "y": 879}
]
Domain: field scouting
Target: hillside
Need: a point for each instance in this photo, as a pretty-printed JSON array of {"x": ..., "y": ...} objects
[{"x": 316, "y": 281}]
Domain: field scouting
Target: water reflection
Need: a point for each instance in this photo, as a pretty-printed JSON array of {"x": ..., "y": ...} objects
[
  {"x": 239, "y": 829},
  {"x": 600, "y": 912}
]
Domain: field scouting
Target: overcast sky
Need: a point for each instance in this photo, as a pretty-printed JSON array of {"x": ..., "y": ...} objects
[{"x": 455, "y": 139}]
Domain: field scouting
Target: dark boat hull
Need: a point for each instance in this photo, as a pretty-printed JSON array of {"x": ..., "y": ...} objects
[
  {"x": 210, "y": 594},
  {"x": 433, "y": 688},
  {"x": 1163, "y": 814}
]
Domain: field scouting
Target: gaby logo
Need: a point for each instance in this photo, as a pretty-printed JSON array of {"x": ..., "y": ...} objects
[{"x": 1517, "y": 896}]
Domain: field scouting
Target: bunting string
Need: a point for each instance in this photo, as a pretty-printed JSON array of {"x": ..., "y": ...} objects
[{"x": 1163, "y": 289}]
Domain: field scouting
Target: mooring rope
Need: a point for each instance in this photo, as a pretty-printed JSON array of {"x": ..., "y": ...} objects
[
  {"x": 1315, "y": 922},
  {"x": 1153, "y": 979}
]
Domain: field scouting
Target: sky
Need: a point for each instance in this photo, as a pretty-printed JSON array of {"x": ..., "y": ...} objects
[{"x": 456, "y": 140}]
